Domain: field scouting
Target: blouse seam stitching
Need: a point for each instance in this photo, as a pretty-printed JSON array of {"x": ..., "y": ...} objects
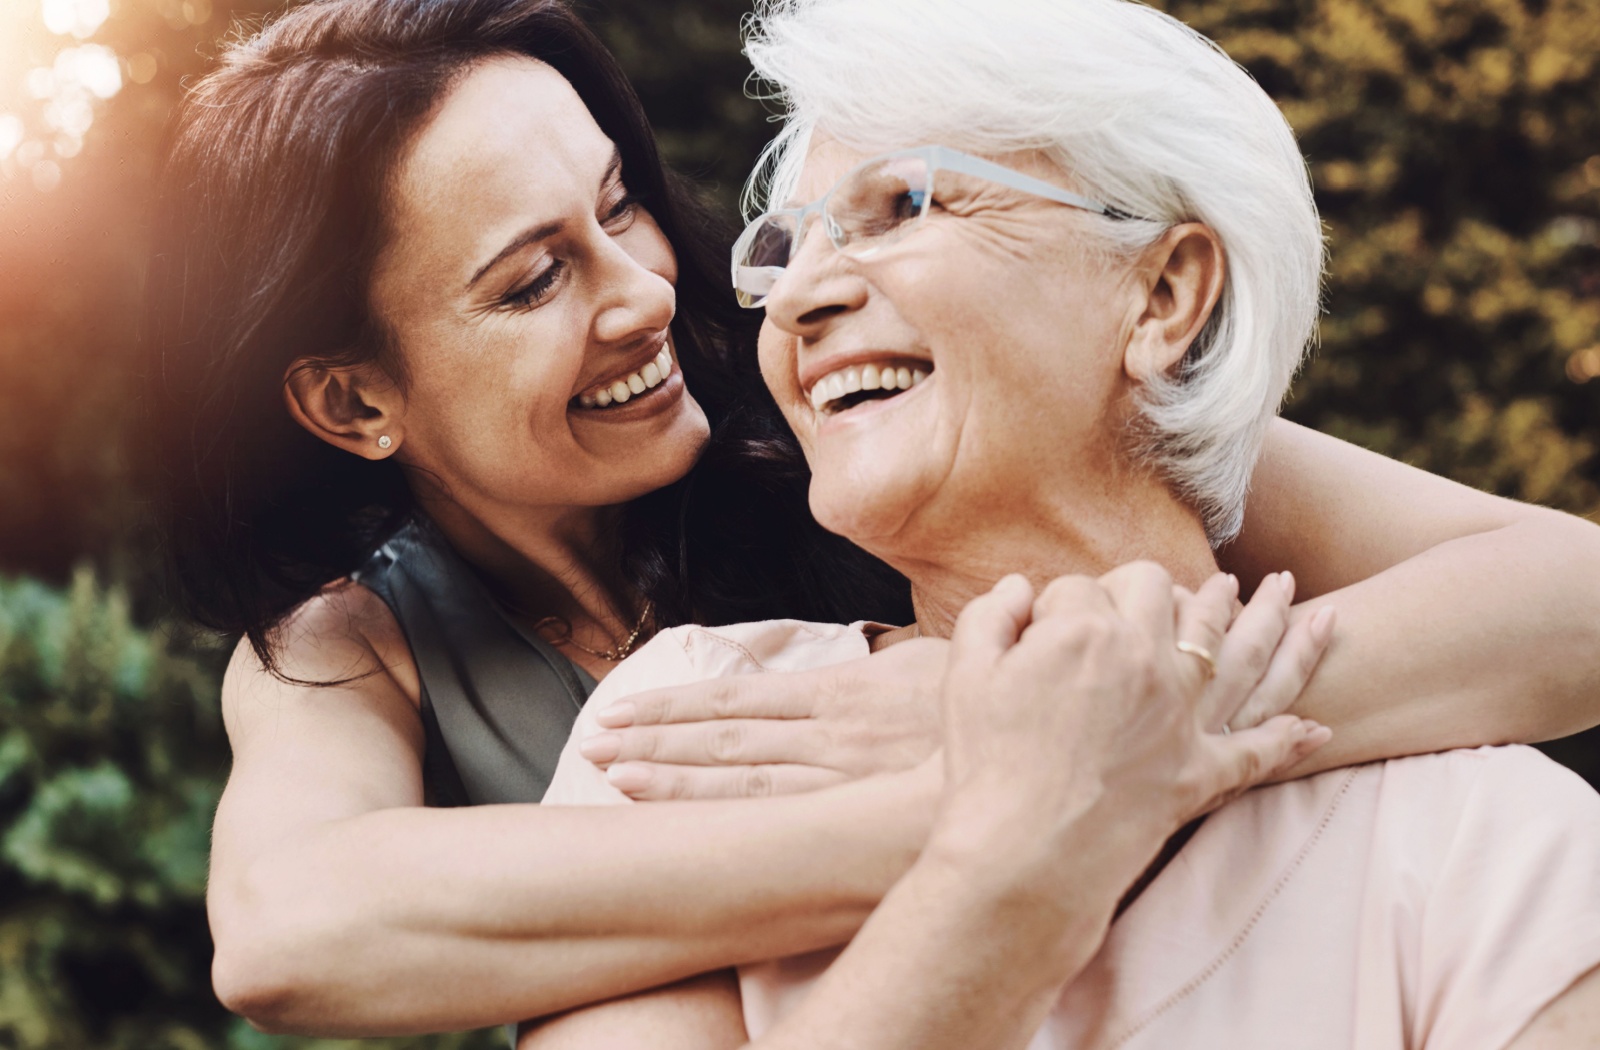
[
  {"x": 1222, "y": 959},
  {"x": 729, "y": 643}
]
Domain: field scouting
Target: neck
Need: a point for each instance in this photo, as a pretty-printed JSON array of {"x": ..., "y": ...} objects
[
  {"x": 550, "y": 561},
  {"x": 1043, "y": 536}
]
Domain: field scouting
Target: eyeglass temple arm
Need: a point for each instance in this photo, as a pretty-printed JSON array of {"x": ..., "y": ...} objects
[{"x": 967, "y": 164}]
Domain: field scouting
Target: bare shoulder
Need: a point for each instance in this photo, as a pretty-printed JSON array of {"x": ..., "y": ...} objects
[{"x": 345, "y": 635}]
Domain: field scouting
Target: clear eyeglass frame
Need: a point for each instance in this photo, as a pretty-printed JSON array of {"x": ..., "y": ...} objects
[{"x": 873, "y": 205}]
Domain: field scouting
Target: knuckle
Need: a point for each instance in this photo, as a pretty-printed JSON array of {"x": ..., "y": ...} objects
[
  {"x": 1305, "y": 662},
  {"x": 1057, "y": 590},
  {"x": 1151, "y": 573},
  {"x": 1255, "y": 652},
  {"x": 1251, "y": 768},
  {"x": 672, "y": 786},
  {"x": 758, "y": 782},
  {"x": 725, "y": 744},
  {"x": 724, "y": 700},
  {"x": 641, "y": 744}
]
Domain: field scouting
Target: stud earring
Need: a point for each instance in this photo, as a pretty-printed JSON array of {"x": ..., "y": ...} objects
[{"x": 385, "y": 441}]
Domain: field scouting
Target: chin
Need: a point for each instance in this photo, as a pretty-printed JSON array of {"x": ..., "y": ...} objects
[
  {"x": 866, "y": 510},
  {"x": 661, "y": 461}
]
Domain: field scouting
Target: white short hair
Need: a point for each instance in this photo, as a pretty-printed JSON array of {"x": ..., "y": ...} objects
[{"x": 1144, "y": 113}]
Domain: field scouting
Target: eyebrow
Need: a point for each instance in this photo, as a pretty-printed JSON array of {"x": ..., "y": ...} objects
[{"x": 549, "y": 229}]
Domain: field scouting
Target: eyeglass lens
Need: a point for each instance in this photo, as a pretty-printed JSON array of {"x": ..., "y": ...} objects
[{"x": 869, "y": 207}]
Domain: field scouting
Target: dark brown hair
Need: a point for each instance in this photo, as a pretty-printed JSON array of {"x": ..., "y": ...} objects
[{"x": 269, "y": 225}]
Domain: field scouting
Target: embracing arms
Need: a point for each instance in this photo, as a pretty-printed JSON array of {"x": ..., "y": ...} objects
[
  {"x": 1076, "y": 742},
  {"x": 340, "y": 905},
  {"x": 1463, "y": 619}
]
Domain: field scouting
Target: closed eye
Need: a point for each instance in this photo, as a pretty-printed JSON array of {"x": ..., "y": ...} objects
[
  {"x": 536, "y": 291},
  {"x": 620, "y": 215}
]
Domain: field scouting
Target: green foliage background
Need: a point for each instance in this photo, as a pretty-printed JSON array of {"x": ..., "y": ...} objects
[{"x": 1456, "y": 151}]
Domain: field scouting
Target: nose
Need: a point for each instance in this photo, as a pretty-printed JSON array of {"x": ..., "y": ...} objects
[
  {"x": 819, "y": 285},
  {"x": 639, "y": 295}
]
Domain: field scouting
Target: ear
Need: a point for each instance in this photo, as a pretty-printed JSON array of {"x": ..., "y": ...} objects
[
  {"x": 350, "y": 407},
  {"x": 1183, "y": 274}
]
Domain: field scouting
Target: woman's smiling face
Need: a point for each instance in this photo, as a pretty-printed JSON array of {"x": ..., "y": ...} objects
[
  {"x": 1017, "y": 326},
  {"x": 531, "y": 300}
]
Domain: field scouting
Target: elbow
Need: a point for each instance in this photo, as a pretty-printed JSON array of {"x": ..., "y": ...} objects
[
  {"x": 271, "y": 956},
  {"x": 249, "y": 985}
]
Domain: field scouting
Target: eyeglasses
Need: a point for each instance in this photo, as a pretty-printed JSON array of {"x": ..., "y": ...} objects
[{"x": 875, "y": 204}]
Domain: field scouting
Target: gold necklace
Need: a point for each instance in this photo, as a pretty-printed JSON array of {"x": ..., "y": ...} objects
[{"x": 614, "y": 654}]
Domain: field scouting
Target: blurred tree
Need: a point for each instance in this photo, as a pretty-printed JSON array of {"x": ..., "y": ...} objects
[
  {"x": 1455, "y": 147},
  {"x": 111, "y": 761}
]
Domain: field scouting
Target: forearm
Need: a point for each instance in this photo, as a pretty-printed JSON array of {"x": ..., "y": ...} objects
[
  {"x": 412, "y": 920},
  {"x": 1490, "y": 638},
  {"x": 961, "y": 955}
]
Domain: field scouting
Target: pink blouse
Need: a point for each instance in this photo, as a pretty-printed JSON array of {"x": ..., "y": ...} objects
[{"x": 1438, "y": 902}]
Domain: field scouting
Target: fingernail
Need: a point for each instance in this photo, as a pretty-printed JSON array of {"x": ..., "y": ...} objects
[
  {"x": 601, "y": 748},
  {"x": 1233, "y": 582},
  {"x": 617, "y": 716},
  {"x": 629, "y": 777},
  {"x": 1322, "y": 624},
  {"x": 1286, "y": 581},
  {"x": 1315, "y": 733}
]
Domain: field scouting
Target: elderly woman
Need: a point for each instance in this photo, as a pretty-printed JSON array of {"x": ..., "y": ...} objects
[{"x": 1087, "y": 239}]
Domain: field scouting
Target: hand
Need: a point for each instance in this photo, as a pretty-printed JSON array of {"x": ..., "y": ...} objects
[
  {"x": 1075, "y": 731},
  {"x": 776, "y": 733},
  {"x": 1268, "y": 656},
  {"x": 779, "y": 734}
]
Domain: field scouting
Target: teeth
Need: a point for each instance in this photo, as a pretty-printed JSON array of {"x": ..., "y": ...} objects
[
  {"x": 619, "y": 392},
  {"x": 853, "y": 379}
]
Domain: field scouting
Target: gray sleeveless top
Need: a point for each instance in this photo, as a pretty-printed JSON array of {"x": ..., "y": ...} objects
[{"x": 497, "y": 702}]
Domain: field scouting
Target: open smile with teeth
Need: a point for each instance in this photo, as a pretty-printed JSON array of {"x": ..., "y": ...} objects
[
  {"x": 620, "y": 391},
  {"x": 844, "y": 389}
]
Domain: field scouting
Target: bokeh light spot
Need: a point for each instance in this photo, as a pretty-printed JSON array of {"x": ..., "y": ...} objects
[
  {"x": 11, "y": 133},
  {"x": 79, "y": 18},
  {"x": 92, "y": 66},
  {"x": 142, "y": 67},
  {"x": 30, "y": 153},
  {"x": 1584, "y": 365}
]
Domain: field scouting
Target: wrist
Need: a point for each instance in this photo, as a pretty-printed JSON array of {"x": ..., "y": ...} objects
[
  {"x": 1081, "y": 849},
  {"x": 1044, "y": 934}
]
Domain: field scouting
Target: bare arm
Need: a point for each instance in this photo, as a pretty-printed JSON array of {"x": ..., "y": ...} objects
[
  {"x": 1071, "y": 751},
  {"x": 1464, "y": 618},
  {"x": 340, "y": 905},
  {"x": 1572, "y": 1022}
]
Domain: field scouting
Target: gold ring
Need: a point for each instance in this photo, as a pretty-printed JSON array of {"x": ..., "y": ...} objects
[{"x": 1204, "y": 654}]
